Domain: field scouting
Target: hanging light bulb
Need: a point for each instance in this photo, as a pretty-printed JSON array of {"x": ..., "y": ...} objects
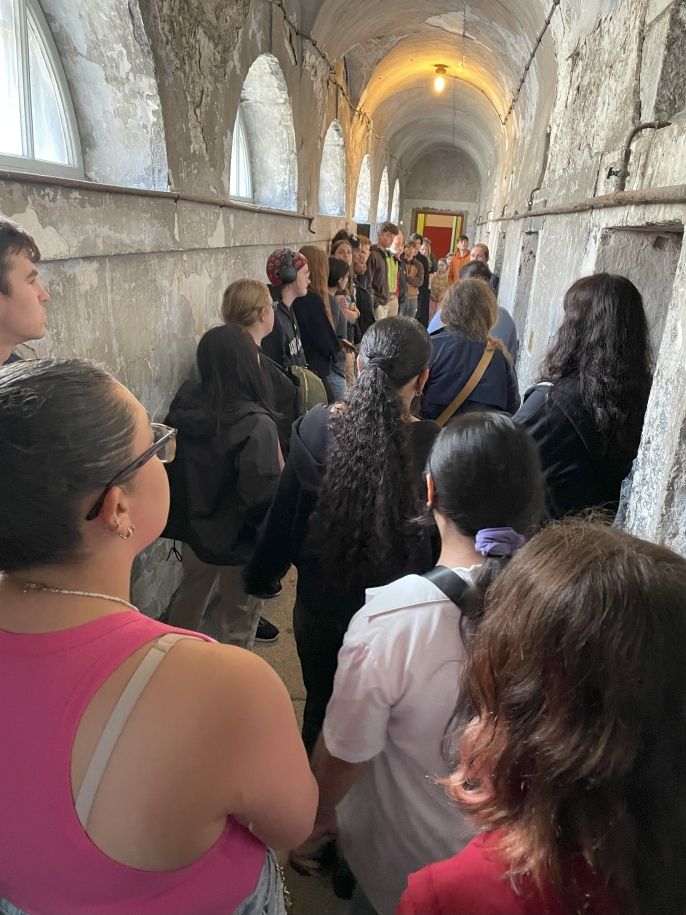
[{"x": 439, "y": 81}]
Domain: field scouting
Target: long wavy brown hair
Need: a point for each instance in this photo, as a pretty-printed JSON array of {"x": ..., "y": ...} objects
[
  {"x": 319, "y": 275},
  {"x": 578, "y": 745}
]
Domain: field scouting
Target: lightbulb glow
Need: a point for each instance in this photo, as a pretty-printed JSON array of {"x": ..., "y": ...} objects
[{"x": 439, "y": 84}]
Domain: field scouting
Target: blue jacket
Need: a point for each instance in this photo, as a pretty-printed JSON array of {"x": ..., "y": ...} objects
[{"x": 454, "y": 359}]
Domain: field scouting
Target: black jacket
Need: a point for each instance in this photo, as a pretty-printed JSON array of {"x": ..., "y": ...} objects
[
  {"x": 365, "y": 302},
  {"x": 283, "y": 541},
  {"x": 317, "y": 334},
  {"x": 222, "y": 479},
  {"x": 283, "y": 344},
  {"x": 578, "y": 473},
  {"x": 424, "y": 261}
]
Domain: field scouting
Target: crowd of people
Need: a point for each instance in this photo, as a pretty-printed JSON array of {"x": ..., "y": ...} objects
[{"x": 495, "y": 720}]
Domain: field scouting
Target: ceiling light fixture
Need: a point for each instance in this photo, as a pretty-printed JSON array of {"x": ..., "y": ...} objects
[{"x": 439, "y": 81}]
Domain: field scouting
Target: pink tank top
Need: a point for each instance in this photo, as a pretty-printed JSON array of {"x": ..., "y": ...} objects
[{"x": 47, "y": 862}]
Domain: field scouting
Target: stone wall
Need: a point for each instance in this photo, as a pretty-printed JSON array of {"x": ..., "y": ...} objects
[
  {"x": 134, "y": 281},
  {"x": 607, "y": 87}
]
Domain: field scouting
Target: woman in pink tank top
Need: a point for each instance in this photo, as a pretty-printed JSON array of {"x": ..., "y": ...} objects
[{"x": 145, "y": 770}]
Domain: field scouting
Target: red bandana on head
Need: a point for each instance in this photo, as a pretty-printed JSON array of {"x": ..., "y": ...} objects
[{"x": 277, "y": 259}]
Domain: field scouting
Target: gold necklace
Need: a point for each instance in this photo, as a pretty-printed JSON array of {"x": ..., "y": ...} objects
[{"x": 36, "y": 586}]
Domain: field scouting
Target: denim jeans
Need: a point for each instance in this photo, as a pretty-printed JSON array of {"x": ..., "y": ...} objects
[
  {"x": 338, "y": 385},
  {"x": 409, "y": 308},
  {"x": 267, "y": 898}
]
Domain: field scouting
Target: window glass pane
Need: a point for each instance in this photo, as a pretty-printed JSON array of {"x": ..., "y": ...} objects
[
  {"x": 240, "y": 182},
  {"x": 10, "y": 121},
  {"x": 49, "y": 117}
]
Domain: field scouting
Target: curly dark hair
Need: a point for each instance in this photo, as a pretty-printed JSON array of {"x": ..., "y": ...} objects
[
  {"x": 578, "y": 746},
  {"x": 371, "y": 489},
  {"x": 603, "y": 340}
]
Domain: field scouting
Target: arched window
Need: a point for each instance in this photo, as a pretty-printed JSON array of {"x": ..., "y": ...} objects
[
  {"x": 364, "y": 192},
  {"x": 37, "y": 127},
  {"x": 382, "y": 205},
  {"x": 241, "y": 172},
  {"x": 265, "y": 109},
  {"x": 332, "y": 173},
  {"x": 395, "y": 203}
]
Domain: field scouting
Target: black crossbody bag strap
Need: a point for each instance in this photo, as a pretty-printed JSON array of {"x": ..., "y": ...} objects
[{"x": 449, "y": 582}]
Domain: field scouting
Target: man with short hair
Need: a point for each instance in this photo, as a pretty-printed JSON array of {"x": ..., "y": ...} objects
[
  {"x": 22, "y": 296},
  {"x": 481, "y": 253},
  {"x": 363, "y": 296},
  {"x": 283, "y": 344},
  {"x": 378, "y": 271},
  {"x": 424, "y": 293},
  {"x": 414, "y": 272},
  {"x": 460, "y": 259}
]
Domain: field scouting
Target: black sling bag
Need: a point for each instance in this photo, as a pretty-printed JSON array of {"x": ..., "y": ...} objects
[{"x": 449, "y": 582}]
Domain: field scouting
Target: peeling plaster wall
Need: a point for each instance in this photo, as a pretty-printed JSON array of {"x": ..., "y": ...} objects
[{"x": 107, "y": 59}]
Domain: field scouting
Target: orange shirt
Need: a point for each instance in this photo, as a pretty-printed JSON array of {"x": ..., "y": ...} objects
[{"x": 456, "y": 264}]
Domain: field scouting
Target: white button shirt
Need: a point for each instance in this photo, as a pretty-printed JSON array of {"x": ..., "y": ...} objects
[{"x": 394, "y": 694}]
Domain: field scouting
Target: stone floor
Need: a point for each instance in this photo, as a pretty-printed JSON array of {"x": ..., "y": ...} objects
[{"x": 311, "y": 895}]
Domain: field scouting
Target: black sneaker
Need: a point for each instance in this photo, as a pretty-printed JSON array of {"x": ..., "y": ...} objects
[{"x": 266, "y": 631}]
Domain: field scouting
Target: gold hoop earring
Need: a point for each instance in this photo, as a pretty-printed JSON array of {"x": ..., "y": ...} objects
[{"x": 129, "y": 533}]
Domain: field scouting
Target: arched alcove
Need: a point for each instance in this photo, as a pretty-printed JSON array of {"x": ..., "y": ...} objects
[
  {"x": 109, "y": 67},
  {"x": 265, "y": 108},
  {"x": 395, "y": 203},
  {"x": 332, "y": 173},
  {"x": 382, "y": 204},
  {"x": 363, "y": 198}
]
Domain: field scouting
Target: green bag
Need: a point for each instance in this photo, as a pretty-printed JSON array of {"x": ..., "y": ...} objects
[{"x": 311, "y": 390}]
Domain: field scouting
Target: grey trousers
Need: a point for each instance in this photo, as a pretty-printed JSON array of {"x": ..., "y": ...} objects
[{"x": 232, "y": 620}]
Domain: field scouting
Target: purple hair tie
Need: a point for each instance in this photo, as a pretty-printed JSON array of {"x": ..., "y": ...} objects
[{"x": 498, "y": 541}]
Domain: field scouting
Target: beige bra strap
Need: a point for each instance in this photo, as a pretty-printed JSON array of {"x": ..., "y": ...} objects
[{"x": 117, "y": 720}]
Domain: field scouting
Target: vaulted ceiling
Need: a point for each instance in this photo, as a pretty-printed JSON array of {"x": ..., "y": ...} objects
[{"x": 391, "y": 50}]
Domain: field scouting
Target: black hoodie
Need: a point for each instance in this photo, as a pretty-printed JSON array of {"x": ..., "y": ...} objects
[
  {"x": 223, "y": 476},
  {"x": 283, "y": 540}
]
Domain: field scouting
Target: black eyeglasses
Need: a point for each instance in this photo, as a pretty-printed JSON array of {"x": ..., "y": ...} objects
[{"x": 164, "y": 446}]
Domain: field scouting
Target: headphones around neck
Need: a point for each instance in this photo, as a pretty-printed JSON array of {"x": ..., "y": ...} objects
[{"x": 287, "y": 272}]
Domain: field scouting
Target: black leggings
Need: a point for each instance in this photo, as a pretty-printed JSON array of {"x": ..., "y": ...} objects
[{"x": 318, "y": 635}]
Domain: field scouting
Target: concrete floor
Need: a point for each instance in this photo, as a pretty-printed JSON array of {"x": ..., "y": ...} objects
[{"x": 310, "y": 895}]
